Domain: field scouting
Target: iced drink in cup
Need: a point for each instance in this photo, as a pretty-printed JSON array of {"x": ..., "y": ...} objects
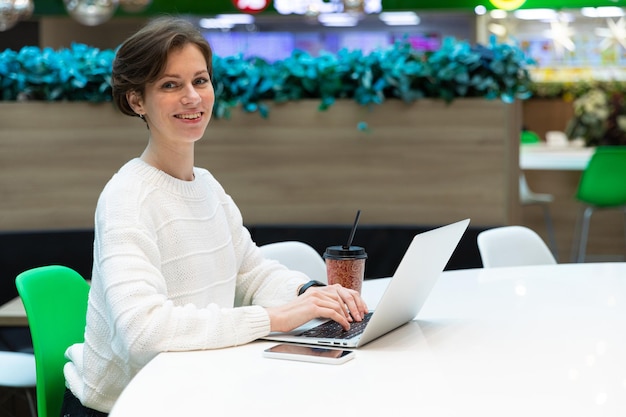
[{"x": 345, "y": 265}]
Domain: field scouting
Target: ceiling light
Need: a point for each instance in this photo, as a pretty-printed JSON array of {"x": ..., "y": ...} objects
[
  {"x": 236, "y": 19},
  {"x": 215, "y": 24},
  {"x": 399, "y": 18},
  {"x": 498, "y": 14},
  {"x": 480, "y": 10},
  {"x": 302, "y": 7},
  {"x": 602, "y": 11},
  {"x": 536, "y": 14},
  {"x": 226, "y": 21},
  {"x": 338, "y": 19}
]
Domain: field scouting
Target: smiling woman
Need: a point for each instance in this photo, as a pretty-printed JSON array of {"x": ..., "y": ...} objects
[
  {"x": 170, "y": 89},
  {"x": 167, "y": 233},
  {"x": 177, "y": 108}
]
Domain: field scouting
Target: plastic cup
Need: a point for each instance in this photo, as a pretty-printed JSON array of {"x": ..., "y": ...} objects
[{"x": 345, "y": 266}]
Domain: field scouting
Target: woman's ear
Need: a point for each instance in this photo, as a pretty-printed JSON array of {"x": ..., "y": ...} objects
[{"x": 135, "y": 102}]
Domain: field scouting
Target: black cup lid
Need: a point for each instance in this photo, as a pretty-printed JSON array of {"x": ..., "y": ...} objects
[{"x": 342, "y": 252}]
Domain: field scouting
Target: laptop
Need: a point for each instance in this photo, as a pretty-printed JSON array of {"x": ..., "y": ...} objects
[{"x": 415, "y": 277}]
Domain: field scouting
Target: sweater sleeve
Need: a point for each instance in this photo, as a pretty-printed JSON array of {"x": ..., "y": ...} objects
[
  {"x": 144, "y": 320},
  {"x": 260, "y": 281}
]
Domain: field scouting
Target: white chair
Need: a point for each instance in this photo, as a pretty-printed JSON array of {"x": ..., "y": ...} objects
[
  {"x": 297, "y": 256},
  {"x": 17, "y": 376},
  {"x": 513, "y": 246},
  {"x": 528, "y": 197}
]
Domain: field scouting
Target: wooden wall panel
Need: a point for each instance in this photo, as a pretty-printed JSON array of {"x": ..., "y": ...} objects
[
  {"x": 419, "y": 164},
  {"x": 541, "y": 115}
]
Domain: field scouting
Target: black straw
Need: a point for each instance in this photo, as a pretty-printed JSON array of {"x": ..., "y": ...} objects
[{"x": 356, "y": 221}]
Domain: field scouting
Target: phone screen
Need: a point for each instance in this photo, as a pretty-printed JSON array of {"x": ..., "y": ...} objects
[
  {"x": 309, "y": 350},
  {"x": 308, "y": 353}
]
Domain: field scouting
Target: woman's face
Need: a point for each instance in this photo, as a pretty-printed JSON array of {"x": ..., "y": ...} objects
[{"x": 178, "y": 105}]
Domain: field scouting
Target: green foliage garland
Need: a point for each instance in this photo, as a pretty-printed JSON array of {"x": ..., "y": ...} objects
[{"x": 457, "y": 69}]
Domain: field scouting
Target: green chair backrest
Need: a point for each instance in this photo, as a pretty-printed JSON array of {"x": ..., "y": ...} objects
[
  {"x": 528, "y": 136},
  {"x": 55, "y": 300},
  {"x": 603, "y": 182}
]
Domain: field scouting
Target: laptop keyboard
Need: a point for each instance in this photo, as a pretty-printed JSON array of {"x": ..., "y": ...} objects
[{"x": 333, "y": 330}]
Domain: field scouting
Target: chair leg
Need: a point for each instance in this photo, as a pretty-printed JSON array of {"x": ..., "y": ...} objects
[
  {"x": 32, "y": 404},
  {"x": 12, "y": 393},
  {"x": 576, "y": 236},
  {"x": 584, "y": 234},
  {"x": 550, "y": 230},
  {"x": 625, "y": 232}
]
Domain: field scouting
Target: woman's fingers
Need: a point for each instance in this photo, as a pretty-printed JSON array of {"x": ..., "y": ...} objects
[
  {"x": 332, "y": 302},
  {"x": 345, "y": 302}
]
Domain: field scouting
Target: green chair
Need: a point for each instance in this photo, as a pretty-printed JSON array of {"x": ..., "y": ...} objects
[
  {"x": 602, "y": 187},
  {"x": 55, "y": 300}
]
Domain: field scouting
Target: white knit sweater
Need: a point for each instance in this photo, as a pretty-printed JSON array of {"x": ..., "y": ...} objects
[{"x": 174, "y": 269}]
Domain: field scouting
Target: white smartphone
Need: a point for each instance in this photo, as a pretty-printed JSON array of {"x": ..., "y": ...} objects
[{"x": 308, "y": 353}]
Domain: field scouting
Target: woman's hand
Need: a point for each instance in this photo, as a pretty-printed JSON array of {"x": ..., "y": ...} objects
[{"x": 333, "y": 302}]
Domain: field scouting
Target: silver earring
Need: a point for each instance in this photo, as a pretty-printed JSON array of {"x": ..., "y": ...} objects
[{"x": 142, "y": 117}]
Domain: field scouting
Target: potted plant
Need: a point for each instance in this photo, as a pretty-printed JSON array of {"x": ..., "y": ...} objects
[{"x": 599, "y": 118}]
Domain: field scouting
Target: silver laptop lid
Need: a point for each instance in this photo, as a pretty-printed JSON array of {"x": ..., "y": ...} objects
[{"x": 414, "y": 279}]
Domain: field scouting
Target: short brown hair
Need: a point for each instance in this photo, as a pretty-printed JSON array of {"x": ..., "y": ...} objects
[{"x": 141, "y": 59}]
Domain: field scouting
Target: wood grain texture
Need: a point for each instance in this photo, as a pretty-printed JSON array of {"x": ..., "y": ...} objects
[{"x": 424, "y": 163}]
